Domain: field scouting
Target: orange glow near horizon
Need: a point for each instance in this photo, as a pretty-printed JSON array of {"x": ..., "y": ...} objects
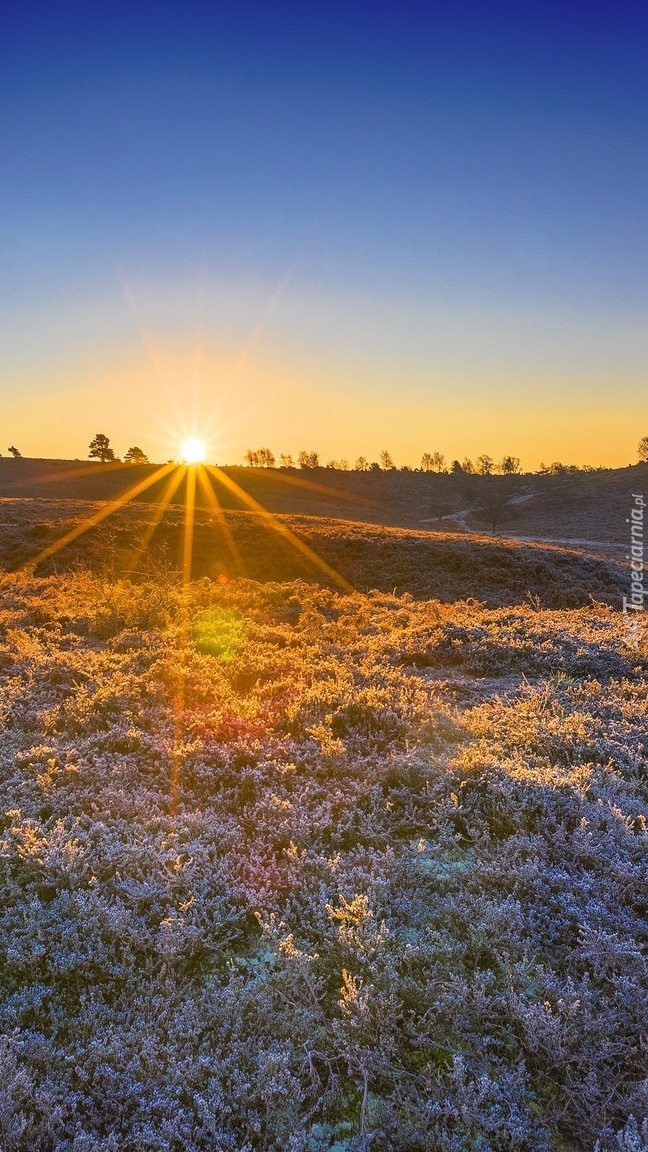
[
  {"x": 197, "y": 476},
  {"x": 167, "y": 385}
]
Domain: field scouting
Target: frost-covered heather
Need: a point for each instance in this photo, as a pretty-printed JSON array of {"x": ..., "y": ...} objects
[{"x": 285, "y": 869}]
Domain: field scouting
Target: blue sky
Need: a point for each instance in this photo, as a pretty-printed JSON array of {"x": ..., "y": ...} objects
[{"x": 338, "y": 226}]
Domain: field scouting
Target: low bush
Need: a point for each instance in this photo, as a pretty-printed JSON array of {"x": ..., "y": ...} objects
[{"x": 289, "y": 869}]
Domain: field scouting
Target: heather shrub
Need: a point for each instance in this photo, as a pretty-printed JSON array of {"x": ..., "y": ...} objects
[{"x": 289, "y": 869}]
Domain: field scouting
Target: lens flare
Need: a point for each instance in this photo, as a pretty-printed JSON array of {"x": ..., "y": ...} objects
[{"x": 192, "y": 451}]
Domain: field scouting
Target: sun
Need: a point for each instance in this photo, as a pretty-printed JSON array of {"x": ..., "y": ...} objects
[{"x": 193, "y": 451}]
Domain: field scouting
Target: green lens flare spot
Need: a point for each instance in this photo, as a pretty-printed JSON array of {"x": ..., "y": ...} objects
[{"x": 218, "y": 632}]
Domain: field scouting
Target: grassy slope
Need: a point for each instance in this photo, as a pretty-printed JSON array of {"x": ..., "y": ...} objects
[
  {"x": 285, "y": 869},
  {"x": 444, "y": 565}
]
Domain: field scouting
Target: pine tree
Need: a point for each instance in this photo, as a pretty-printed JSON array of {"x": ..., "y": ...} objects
[{"x": 100, "y": 449}]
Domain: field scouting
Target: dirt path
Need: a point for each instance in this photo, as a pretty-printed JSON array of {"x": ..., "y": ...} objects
[
  {"x": 574, "y": 541},
  {"x": 562, "y": 541}
]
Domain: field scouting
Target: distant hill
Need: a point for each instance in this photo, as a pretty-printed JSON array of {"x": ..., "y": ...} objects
[{"x": 581, "y": 506}]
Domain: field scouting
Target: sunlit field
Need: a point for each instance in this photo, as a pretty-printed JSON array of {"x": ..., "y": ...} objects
[
  {"x": 330, "y": 846},
  {"x": 323, "y": 579}
]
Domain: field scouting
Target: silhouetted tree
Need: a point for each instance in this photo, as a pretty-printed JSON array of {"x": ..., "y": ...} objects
[
  {"x": 261, "y": 458},
  {"x": 286, "y": 460},
  {"x": 456, "y": 468},
  {"x": 485, "y": 465},
  {"x": 510, "y": 465},
  {"x": 14, "y": 452},
  {"x": 136, "y": 456},
  {"x": 309, "y": 459},
  {"x": 556, "y": 468},
  {"x": 386, "y": 462},
  {"x": 362, "y": 464},
  {"x": 642, "y": 450},
  {"x": 100, "y": 449},
  {"x": 427, "y": 464},
  {"x": 467, "y": 465},
  {"x": 338, "y": 465}
]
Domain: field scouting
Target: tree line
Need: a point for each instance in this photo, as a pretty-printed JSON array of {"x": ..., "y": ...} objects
[
  {"x": 484, "y": 465},
  {"x": 430, "y": 462}
]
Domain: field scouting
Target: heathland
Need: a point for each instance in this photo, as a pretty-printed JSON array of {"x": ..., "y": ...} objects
[
  {"x": 290, "y": 865},
  {"x": 586, "y": 505}
]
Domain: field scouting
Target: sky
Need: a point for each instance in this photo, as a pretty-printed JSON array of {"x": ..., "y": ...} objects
[{"x": 343, "y": 227}]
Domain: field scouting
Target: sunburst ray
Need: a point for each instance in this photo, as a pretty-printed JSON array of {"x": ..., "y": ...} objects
[
  {"x": 214, "y": 503},
  {"x": 102, "y": 514},
  {"x": 280, "y": 528},
  {"x": 190, "y": 507},
  {"x": 167, "y": 496}
]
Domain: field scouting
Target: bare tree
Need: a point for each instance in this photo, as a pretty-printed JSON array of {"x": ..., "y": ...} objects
[
  {"x": 510, "y": 465},
  {"x": 485, "y": 465},
  {"x": 308, "y": 459},
  {"x": 467, "y": 465},
  {"x": 494, "y": 505},
  {"x": 361, "y": 464},
  {"x": 286, "y": 460},
  {"x": 386, "y": 462},
  {"x": 441, "y": 505},
  {"x": 259, "y": 458}
]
